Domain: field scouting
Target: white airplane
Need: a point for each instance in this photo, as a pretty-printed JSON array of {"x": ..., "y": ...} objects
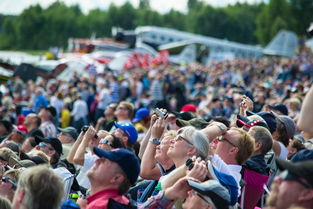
[{"x": 192, "y": 47}]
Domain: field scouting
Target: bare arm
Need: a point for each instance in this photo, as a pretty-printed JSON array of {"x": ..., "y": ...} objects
[
  {"x": 144, "y": 142},
  {"x": 170, "y": 179},
  {"x": 71, "y": 154},
  {"x": 306, "y": 115},
  {"x": 79, "y": 158},
  {"x": 149, "y": 168},
  {"x": 214, "y": 129}
]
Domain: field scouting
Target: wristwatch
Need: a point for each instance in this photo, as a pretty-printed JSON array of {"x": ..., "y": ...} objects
[{"x": 155, "y": 141}]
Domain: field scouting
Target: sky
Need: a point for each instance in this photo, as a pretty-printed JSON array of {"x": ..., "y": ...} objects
[{"x": 15, "y": 7}]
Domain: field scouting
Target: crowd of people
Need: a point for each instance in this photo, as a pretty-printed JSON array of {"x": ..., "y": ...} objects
[{"x": 235, "y": 134}]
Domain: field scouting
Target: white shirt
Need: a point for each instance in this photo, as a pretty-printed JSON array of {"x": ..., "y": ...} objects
[
  {"x": 48, "y": 129},
  {"x": 283, "y": 151},
  {"x": 82, "y": 178},
  {"x": 104, "y": 99},
  {"x": 80, "y": 109}
]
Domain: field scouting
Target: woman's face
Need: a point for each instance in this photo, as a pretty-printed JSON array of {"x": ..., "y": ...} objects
[
  {"x": 162, "y": 148},
  {"x": 105, "y": 144}
]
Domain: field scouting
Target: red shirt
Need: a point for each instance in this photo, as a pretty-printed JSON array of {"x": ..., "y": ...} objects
[{"x": 100, "y": 199}]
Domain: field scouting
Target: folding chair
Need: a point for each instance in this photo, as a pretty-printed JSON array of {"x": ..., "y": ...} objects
[{"x": 253, "y": 190}]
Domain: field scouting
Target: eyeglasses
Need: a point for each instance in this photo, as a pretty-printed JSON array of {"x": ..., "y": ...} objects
[
  {"x": 8, "y": 180},
  {"x": 223, "y": 138},
  {"x": 121, "y": 108},
  {"x": 179, "y": 138},
  {"x": 42, "y": 144},
  {"x": 105, "y": 141},
  {"x": 286, "y": 175}
]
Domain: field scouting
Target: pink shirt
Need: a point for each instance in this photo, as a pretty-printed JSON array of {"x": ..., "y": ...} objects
[{"x": 100, "y": 199}]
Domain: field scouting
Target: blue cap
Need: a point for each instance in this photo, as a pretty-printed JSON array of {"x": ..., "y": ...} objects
[
  {"x": 229, "y": 183},
  {"x": 303, "y": 155},
  {"x": 269, "y": 118},
  {"x": 126, "y": 159},
  {"x": 140, "y": 114},
  {"x": 129, "y": 130}
]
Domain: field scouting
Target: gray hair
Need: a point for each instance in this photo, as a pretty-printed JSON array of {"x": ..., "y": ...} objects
[
  {"x": 43, "y": 188},
  {"x": 198, "y": 139}
]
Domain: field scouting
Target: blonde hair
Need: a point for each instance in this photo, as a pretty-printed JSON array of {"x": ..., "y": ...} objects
[
  {"x": 130, "y": 108},
  {"x": 7, "y": 154},
  {"x": 5, "y": 203},
  {"x": 43, "y": 188},
  {"x": 245, "y": 145}
]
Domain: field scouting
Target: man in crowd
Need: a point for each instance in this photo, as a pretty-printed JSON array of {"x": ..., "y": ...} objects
[
  {"x": 67, "y": 136},
  {"x": 38, "y": 187},
  {"x": 110, "y": 178},
  {"x": 293, "y": 186},
  {"x": 47, "y": 127},
  {"x": 32, "y": 122}
]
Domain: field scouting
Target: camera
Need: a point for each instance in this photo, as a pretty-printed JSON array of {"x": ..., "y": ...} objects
[
  {"x": 160, "y": 113},
  {"x": 85, "y": 128},
  {"x": 189, "y": 163}
]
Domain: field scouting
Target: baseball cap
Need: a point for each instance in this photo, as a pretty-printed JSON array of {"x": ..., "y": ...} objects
[
  {"x": 195, "y": 122},
  {"x": 129, "y": 130},
  {"x": 140, "y": 114},
  {"x": 248, "y": 122},
  {"x": 183, "y": 115},
  {"x": 269, "y": 118},
  {"x": 21, "y": 129},
  {"x": 55, "y": 143},
  {"x": 70, "y": 130},
  {"x": 189, "y": 108},
  {"x": 126, "y": 159},
  {"x": 214, "y": 190},
  {"x": 303, "y": 155},
  {"x": 289, "y": 124},
  {"x": 280, "y": 107},
  {"x": 298, "y": 170}
]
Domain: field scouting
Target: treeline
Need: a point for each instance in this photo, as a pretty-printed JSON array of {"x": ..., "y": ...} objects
[{"x": 38, "y": 28}]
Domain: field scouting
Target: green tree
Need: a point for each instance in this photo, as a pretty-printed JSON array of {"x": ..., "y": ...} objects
[
  {"x": 144, "y": 4},
  {"x": 278, "y": 12}
]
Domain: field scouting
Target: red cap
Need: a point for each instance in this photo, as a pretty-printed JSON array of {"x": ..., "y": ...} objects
[
  {"x": 189, "y": 108},
  {"x": 22, "y": 129}
]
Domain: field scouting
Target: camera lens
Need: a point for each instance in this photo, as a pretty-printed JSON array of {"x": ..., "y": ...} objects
[{"x": 84, "y": 128}]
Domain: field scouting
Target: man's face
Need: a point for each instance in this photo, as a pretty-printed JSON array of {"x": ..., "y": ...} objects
[
  {"x": 29, "y": 119},
  {"x": 46, "y": 148},
  {"x": 16, "y": 136},
  {"x": 194, "y": 201},
  {"x": 226, "y": 144},
  {"x": 284, "y": 193},
  {"x": 6, "y": 186},
  {"x": 65, "y": 137},
  {"x": 102, "y": 171}
]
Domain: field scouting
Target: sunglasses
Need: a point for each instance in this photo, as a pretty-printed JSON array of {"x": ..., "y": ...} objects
[
  {"x": 42, "y": 144},
  {"x": 8, "y": 180},
  {"x": 105, "y": 141},
  {"x": 286, "y": 175},
  {"x": 223, "y": 138},
  {"x": 180, "y": 138}
]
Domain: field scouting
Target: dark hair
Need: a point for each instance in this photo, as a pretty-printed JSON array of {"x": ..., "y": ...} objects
[
  {"x": 297, "y": 144},
  {"x": 117, "y": 142},
  {"x": 223, "y": 120},
  {"x": 282, "y": 133}
]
